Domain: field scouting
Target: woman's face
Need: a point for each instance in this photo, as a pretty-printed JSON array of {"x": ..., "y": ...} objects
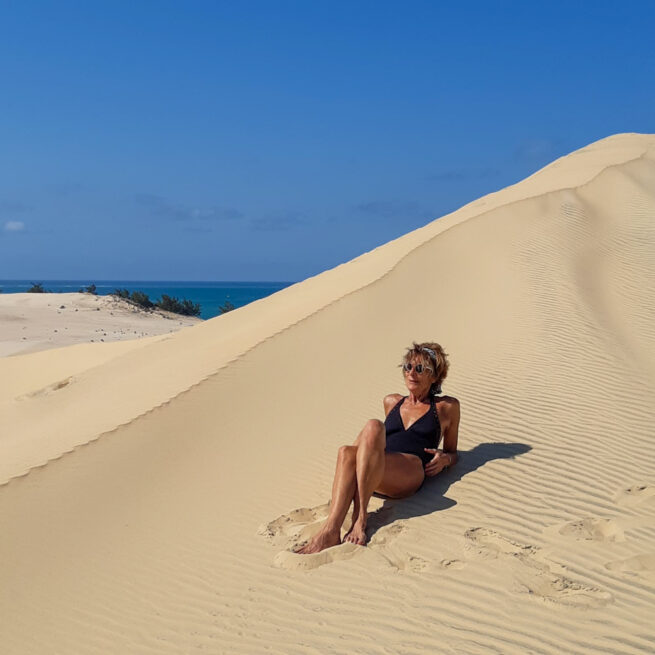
[{"x": 419, "y": 383}]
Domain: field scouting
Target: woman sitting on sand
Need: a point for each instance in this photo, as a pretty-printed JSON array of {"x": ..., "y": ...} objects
[{"x": 393, "y": 458}]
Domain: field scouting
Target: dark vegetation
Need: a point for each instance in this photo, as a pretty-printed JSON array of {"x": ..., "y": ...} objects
[
  {"x": 185, "y": 306},
  {"x": 167, "y": 303},
  {"x": 38, "y": 288},
  {"x": 227, "y": 307}
]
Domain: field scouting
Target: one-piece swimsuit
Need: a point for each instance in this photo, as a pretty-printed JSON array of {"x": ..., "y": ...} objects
[{"x": 423, "y": 433}]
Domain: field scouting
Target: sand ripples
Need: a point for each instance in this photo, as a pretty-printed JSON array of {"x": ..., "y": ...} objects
[{"x": 174, "y": 532}]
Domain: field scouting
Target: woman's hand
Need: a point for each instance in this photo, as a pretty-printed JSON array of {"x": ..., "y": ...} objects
[{"x": 438, "y": 463}]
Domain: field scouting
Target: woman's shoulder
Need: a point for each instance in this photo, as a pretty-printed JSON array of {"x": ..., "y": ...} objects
[
  {"x": 390, "y": 400},
  {"x": 447, "y": 406}
]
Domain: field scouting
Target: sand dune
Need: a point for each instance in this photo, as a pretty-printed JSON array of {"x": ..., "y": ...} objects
[{"x": 168, "y": 484}]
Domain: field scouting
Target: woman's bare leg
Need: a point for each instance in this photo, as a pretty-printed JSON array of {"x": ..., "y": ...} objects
[
  {"x": 356, "y": 499},
  {"x": 355, "y": 513},
  {"x": 362, "y": 469},
  {"x": 369, "y": 474},
  {"x": 403, "y": 475},
  {"x": 343, "y": 492},
  {"x": 365, "y": 459}
]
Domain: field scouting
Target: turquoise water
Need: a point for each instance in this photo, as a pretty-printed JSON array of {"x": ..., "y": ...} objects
[{"x": 210, "y": 295}]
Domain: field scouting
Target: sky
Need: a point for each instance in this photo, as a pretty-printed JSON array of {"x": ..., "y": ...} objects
[{"x": 191, "y": 140}]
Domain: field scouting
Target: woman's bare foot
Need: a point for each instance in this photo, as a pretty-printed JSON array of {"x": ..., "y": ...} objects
[
  {"x": 357, "y": 534},
  {"x": 324, "y": 539}
]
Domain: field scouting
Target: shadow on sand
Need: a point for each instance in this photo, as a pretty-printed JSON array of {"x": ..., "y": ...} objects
[{"x": 431, "y": 496}]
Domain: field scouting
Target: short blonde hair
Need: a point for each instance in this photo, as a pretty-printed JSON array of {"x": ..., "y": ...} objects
[{"x": 438, "y": 362}]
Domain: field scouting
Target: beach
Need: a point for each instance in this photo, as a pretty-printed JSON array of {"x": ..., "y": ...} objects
[
  {"x": 30, "y": 322},
  {"x": 153, "y": 489}
]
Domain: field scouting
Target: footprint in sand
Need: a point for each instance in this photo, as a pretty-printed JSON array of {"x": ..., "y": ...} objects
[
  {"x": 56, "y": 386},
  {"x": 454, "y": 564},
  {"x": 593, "y": 529},
  {"x": 385, "y": 534},
  {"x": 635, "y": 495},
  {"x": 532, "y": 576},
  {"x": 296, "y": 528},
  {"x": 490, "y": 544},
  {"x": 378, "y": 546},
  {"x": 397, "y": 558},
  {"x": 644, "y": 563},
  {"x": 289, "y": 560},
  {"x": 402, "y": 561}
]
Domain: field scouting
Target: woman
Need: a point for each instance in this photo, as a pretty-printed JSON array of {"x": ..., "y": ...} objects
[{"x": 393, "y": 458}]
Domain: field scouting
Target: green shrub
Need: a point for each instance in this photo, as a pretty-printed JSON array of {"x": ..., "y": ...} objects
[
  {"x": 136, "y": 297},
  {"x": 227, "y": 307},
  {"x": 141, "y": 299},
  {"x": 185, "y": 307},
  {"x": 190, "y": 308},
  {"x": 90, "y": 289},
  {"x": 37, "y": 288}
]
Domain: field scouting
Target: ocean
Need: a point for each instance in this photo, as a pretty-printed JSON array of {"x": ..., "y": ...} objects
[{"x": 210, "y": 295}]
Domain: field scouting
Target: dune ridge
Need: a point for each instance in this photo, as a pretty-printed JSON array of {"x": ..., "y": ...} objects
[
  {"x": 174, "y": 533},
  {"x": 79, "y": 415}
]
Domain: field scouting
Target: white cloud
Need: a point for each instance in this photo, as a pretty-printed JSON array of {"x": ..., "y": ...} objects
[{"x": 14, "y": 226}]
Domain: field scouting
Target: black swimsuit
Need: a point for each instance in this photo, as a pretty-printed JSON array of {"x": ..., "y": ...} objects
[{"x": 423, "y": 433}]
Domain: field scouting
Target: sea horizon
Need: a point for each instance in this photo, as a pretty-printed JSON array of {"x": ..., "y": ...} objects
[{"x": 209, "y": 294}]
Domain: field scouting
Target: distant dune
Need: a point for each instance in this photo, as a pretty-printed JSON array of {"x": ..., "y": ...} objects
[
  {"x": 31, "y": 322},
  {"x": 153, "y": 489}
]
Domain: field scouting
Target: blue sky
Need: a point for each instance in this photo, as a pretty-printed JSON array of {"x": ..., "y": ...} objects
[{"x": 273, "y": 140}]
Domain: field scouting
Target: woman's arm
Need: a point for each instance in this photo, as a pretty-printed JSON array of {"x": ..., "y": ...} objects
[
  {"x": 450, "y": 427},
  {"x": 450, "y": 432}
]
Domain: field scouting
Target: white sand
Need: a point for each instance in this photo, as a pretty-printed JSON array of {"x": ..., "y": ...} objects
[
  {"x": 31, "y": 322},
  {"x": 168, "y": 482}
]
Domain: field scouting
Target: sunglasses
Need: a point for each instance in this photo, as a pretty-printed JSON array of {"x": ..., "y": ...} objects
[{"x": 419, "y": 368}]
